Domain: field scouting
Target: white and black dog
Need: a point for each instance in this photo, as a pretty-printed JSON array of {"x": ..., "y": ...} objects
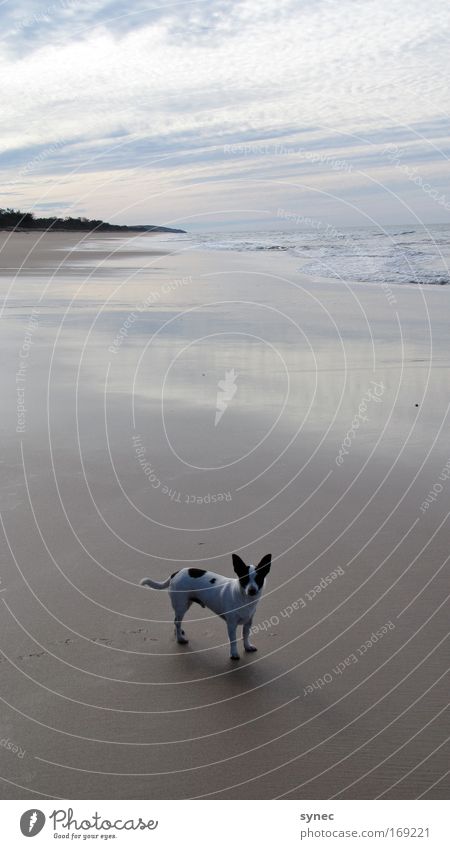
[{"x": 233, "y": 599}]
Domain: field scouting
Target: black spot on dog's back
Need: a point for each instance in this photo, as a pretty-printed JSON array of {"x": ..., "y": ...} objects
[
  {"x": 196, "y": 573},
  {"x": 197, "y": 601},
  {"x": 212, "y": 581}
]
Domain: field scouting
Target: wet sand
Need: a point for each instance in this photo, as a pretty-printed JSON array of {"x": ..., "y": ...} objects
[{"x": 332, "y": 454}]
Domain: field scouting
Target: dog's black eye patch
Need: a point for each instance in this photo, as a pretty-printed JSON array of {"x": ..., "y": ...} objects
[
  {"x": 244, "y": 581},
  {"x": 212, "y": 581},
  {"x": 259, "y": 578},
  {"x": 196, "y": 573}
]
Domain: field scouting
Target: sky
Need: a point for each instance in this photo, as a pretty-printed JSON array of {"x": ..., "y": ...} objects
[{"x": 226, "y": 114}]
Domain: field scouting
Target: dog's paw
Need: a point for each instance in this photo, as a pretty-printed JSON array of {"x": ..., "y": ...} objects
[
  {"x": 250, "y": 648},
  {"x": 235, "y": 657},
  {"x": 180, "y": 637}
]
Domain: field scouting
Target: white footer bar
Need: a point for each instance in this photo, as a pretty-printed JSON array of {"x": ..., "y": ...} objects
[{"x": 215, "y": 824}]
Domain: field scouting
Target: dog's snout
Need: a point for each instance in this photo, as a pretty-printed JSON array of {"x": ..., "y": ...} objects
[{"x": 252, "y": 591}]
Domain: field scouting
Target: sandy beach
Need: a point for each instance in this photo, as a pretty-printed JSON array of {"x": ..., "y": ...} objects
[{"x": 332, "y": 453}]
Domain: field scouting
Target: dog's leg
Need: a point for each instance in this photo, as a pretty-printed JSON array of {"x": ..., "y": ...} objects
[
  {"x": 232, "y": 626},
  {"x": 180, "y": 633},
  {"x": 246, "y": 633},
  {"x": 180, "y": 605}
]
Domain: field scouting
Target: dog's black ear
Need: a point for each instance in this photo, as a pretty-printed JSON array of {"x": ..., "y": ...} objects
[
  {"x": 264, "y": 565},
  {"x": 239, "y": 566}
]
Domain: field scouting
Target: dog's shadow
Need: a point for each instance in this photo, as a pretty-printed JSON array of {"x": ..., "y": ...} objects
[{"x": 254, "y": 674}]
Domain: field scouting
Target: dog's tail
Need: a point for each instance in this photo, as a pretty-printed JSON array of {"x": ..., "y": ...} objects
[{"x": 155, "y": 585}]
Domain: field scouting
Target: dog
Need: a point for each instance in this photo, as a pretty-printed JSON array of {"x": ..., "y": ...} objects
[{"x": 233, "y": 599}]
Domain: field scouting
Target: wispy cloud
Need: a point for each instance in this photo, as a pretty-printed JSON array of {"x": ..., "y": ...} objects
[{"x": 149, "y": 96}]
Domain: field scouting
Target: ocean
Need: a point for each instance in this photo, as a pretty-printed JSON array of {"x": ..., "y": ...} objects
[{"x": 392, "y": 255}]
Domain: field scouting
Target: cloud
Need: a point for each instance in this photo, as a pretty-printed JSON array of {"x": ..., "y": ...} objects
[
  {"x": 33, "y": 24},
  {"x": 162, "y": 89}
]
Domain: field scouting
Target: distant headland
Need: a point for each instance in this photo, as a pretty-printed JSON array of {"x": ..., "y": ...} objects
[{"x": 14, "y": 219}]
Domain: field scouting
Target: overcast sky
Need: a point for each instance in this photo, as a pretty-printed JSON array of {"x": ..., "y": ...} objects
[{"x": 219, "y": 113}]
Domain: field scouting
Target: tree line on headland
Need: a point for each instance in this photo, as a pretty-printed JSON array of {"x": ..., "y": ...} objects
[{"x": 14, "y": 219}]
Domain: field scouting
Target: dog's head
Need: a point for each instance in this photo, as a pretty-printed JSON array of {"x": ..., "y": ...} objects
[{"x": 251, "y": 578}]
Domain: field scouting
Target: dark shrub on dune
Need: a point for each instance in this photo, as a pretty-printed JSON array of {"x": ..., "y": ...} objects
[{"x": 14, "y": 219}]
